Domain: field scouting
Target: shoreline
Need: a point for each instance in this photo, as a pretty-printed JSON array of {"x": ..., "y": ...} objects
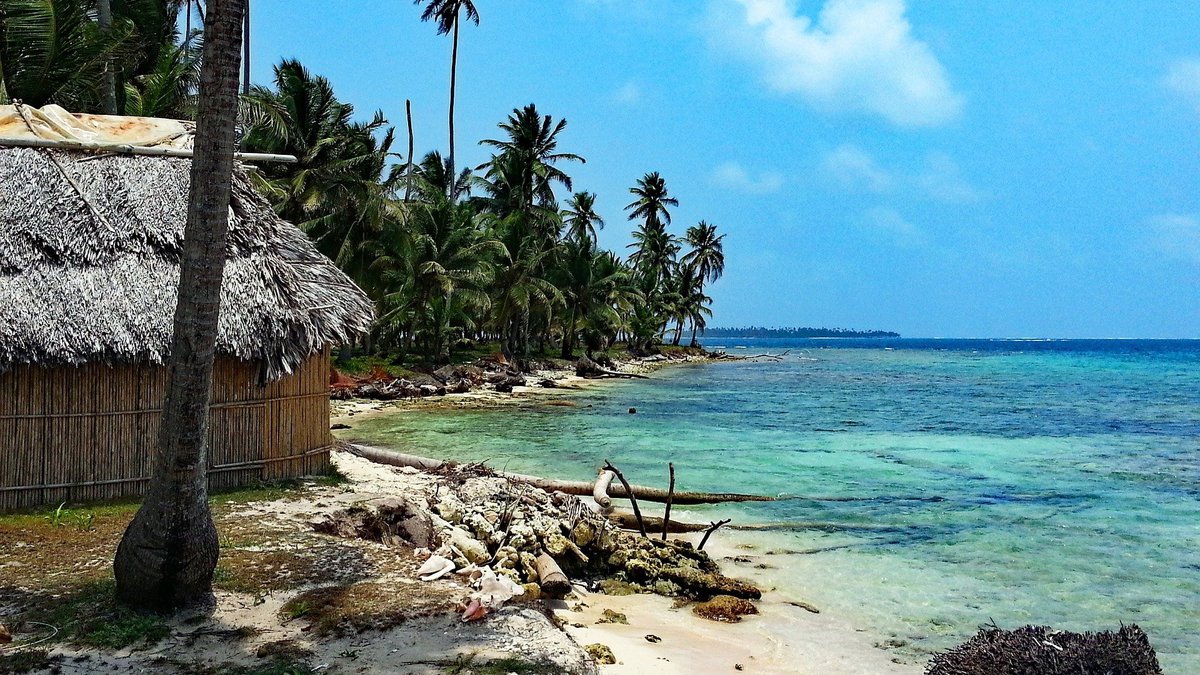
[
  {"x": 567, "y": 385},
  {"x": 783, "y": 637}
]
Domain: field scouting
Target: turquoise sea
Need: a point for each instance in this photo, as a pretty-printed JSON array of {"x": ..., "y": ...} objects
[{"x": 934, "y": 485}]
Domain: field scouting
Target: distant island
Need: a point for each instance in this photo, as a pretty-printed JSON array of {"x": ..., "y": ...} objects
[{"x": 760, "y": 332}]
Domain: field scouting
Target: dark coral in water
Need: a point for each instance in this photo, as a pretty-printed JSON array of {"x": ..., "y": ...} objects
[{"x": 1040, "y": 650}]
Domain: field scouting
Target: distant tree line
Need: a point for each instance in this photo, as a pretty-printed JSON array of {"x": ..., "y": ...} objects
[{"x": 760, "y": 332}]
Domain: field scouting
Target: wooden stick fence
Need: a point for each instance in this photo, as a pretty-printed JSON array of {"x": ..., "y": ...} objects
[{"x": 89, "y": 433}]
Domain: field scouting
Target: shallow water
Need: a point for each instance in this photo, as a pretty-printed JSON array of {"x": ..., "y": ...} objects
[{"x": 938, "y": 485}]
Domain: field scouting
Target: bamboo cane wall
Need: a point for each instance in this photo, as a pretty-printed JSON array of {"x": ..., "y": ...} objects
[{"x": 90, "y": 433}]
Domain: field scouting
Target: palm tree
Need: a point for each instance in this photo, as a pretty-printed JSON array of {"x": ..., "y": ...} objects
[
  {"x": 518, "y": 192},
  {"x": 168, "y": 555},
  {"x": 52, "y": 52},
  {"x": 652, "y": 201},
  {"x": 447, "y": 15},
  {"x": 342, "y": 186},
  {"x": 434, "y": 171},
  {"x": 581, "y": 219},
  {"x": 168, "y": 90},
  {"x": 529, "y": 157},
  {"x": 707, "y": 254},
  {"x": 444, "y": 276}
]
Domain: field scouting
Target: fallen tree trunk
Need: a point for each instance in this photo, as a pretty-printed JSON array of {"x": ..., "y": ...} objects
[
  {"x": 572, "y": 487},
  {"x": 550, "y": 577},
  {"x": 626, "y": 520}
]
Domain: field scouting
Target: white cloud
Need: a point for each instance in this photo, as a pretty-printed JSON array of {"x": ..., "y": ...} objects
[
  {"x": 1176, "y": 235},
  {"x": 890, "y": 223},
  {"x": 942, "y": 180},
  {"x": 854, "y": 168},
  {"x": 1183, "y": 78},
  {"x": 733, "y": 176},
  {"x": 858, "y": 55},
  {"x": 628, "y": 94}
]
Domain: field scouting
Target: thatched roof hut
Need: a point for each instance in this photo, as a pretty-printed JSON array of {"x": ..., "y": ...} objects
[{"x": 90, "y": 249}]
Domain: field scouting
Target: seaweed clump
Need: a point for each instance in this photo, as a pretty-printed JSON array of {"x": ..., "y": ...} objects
[{"x": 1040, "y": 650}]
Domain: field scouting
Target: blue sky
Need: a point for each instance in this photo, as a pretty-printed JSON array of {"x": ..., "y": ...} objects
[{"x": 978, "y": 168}]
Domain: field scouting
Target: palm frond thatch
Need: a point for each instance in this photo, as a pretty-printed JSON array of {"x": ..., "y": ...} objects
[{"x": 90, "y": 250}]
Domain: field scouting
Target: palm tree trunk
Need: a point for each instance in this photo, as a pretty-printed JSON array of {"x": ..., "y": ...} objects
[
  {"x": 678, "y": 333},
  {"x": 453, "y": 83},
  {"x": 408, "y": 172},
  {"x": 694, "y": 344},
  {"x": 109, "y": 83},
  {"x": 568, "y": 343},
  {"x": 246, "y": 50},
  {"x": 167, "y": 557}
]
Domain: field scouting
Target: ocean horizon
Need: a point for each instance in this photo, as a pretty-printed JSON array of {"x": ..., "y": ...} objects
[{"x": 930, "y": 486}]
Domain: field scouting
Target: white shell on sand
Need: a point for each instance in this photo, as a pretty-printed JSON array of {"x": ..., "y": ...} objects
[{"x": 435, "y": 568}]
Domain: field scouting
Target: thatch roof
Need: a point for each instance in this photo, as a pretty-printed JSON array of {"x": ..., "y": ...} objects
[{"x": 90, "y": 248}]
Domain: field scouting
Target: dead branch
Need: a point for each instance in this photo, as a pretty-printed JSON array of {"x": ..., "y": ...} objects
[
  {"x": 628, "y": 490},
  {"x": 586, "y": 367},
  {"x": 711, "y": 528}
]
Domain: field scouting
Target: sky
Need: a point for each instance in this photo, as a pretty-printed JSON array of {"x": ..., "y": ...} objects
[{"x": 940, "y": 168}]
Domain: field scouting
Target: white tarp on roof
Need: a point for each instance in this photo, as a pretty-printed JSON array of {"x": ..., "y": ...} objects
[{"x": 52, "y": 123}]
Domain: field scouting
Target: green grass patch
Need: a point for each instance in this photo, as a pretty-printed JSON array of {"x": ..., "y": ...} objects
[{"x": 89, "y": 615}]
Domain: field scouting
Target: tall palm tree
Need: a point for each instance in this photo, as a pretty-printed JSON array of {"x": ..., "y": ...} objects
[
  {"x": 530, "y": 157},
  {"x": 167, "y": 557},
  {"x": 447, "y": 15},
  {"x": 518, "y": 191},
  {"x": 707, "y": 255},
  {"x": 652, "y": 201},
  {"x": 580, "y": 217}
]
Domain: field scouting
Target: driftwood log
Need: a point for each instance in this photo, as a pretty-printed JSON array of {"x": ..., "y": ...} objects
[
  {"x": 550, "y": 577},
  {"x": 600, "y": 489},
  {"x": 586, "y": 367},
  {"x": 578, "y": 488}
]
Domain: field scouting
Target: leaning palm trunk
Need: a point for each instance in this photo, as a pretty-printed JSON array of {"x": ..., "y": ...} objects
[
  {"x": 166, "y": 559},
  {"x": 568, "y": 341}
]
